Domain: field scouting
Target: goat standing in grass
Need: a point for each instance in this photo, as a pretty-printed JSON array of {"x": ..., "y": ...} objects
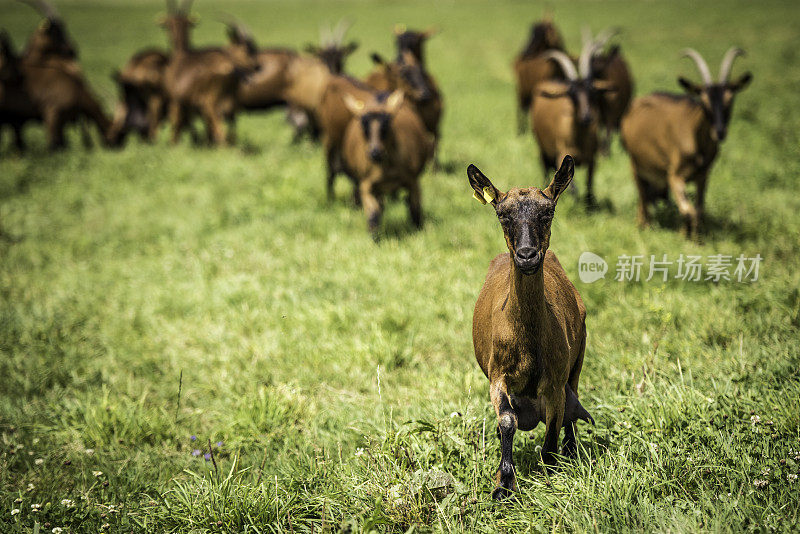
[
  {"x": 529, "y": 324},
  {"x": 531, "y": 67},
  {"x": 673, "y": 139},
  {"x": 564, "y": 115},
  {"x": 409, "y": 73},
  {"x": 385, "y": 148},
  {"x": 142, "y": 104},
  {"x": 203, "y": 81}
]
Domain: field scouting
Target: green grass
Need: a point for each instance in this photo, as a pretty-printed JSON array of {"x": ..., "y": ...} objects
[{"x": 340, "y": 374}]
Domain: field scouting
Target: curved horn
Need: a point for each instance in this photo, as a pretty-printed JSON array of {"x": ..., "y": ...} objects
[
  {"x": 702, "y": 66},
  {"x": 45, "y": 8},
  {"x": 338, "y": 32},
  {"x": 585, "y": 59},
  {"x": 727, "y": 63},
  {"x": 605, "y": 36},
  {"x": 586, "y": 35},
  {"x": 564, "y": 61},
  {"x": 325, "y": 36}
]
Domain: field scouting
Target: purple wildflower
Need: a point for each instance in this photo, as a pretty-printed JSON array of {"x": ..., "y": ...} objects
[
  {"x": 207, "y": 456},
  {"x": 193, "y": 438},
  {"x": 220, "y": 444},
  {"x": 196, "y": 452}
]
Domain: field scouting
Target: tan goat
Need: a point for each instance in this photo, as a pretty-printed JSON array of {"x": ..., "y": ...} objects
[
  {"x": 529, "y": 324},
  {"x": 385, "y": 149},
  {"x": 673, "y": 139},
  {"x": 564, "y": 115}
]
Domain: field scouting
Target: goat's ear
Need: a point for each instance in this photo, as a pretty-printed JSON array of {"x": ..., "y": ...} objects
[
  {"x": 551, "y": 94},
  {"x": 377, "y": 58},
  {"x": 350, "y": 48},
  {"x": 604, "y": 86},
  {"x": 743, "y": 81},
  {"x": 394, "y": 101},
  {"x": 561, "y": 180},
  {"x": 689, "y": 86},
  {"x": 483, "y": 189},
  {"x": 430, "y": 32},
  {"x": 312, "y": 49},
  {"x": 354, "y": 105}
]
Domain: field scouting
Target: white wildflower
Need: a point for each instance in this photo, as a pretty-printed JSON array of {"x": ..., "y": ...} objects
[
  {"x": 56, "y": 530},
  {"x": 39, "y": 461},
  {"x": 69, "y": 503},
  {"x": 31, "y": 487},
  {"x": 754, "y": 419},
  {"x": 759, "y": 483},
  {"x": 35, "y": 507},
  {"x": 791, "y": 477},
  {"x": 89, "y": 451},
  {"x": 15, "y": 511},
  {"x": 359, "y": 451},
  {"x": 97, "y": 473}
]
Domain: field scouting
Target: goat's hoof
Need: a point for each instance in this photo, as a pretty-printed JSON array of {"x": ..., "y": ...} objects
[{"x": 501, "y": 494}]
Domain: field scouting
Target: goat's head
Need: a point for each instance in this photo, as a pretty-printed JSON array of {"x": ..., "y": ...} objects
[
  {"x": 716, "y": 98},
  {"x": 412, "y": 40},
  {"x": 525, "y": 214},
  {"x": 375, "y": 119},
  {"x": 332, "y": 51},
  {"x": 50, "y": 37},
  {"x": 242, "y": 50},
  {"x": 544, "y": 36},
  {"x": 178, "y": 21},
  {"x": 408, "y": 74},
  {"x": 579, "y": 84}
]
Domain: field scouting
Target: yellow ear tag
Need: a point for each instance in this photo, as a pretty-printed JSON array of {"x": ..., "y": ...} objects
[
  {"x": 477, "y": 197},
  {"x": 488, "y": 194}
]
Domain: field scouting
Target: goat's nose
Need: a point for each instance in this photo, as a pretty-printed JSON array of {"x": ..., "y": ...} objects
[
  {"x": 526, "y": 253},
  {"x": 375, "y": 154},
  {"x": 721, "y": 133}
]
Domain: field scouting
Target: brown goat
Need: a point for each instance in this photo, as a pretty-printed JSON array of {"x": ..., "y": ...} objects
[
  {"x": 385, "y": 149},
  {"x": 611, "y": 67},
  {"x": 333, "y": 116},
  {"x": 409, "y": 73},
  {"x": 50, "y": 39},
  {"x": 531, "y": 68},
  {"x": 203, "y": 81},
  {"x": 564, "y": 116},
  {"x": 529, "y": 324},
  {"x": 288, "y": 78},
  {"x": 44, "y": 90},
  {"x": 141, "y": 107},
  {"x": 673, "y": 139}
]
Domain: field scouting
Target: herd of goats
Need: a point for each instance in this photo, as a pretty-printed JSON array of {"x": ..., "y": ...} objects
[
  {"x": 381, "y": 132},
  {"x": 529, "y": 330}
]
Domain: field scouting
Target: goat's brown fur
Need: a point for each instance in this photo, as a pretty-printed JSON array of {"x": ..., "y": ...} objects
[
  {"x": 529, "y": 324},
  {"x": 142, "y": 104},
  {"x": 385, "y": 148},
  {"x": 673, "y": 140}
]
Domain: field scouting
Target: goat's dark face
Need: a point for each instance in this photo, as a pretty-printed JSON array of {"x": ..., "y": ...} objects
[
  {"x": 412, "y": 41},
  {"x": 585, "y": 97},
  {"x": 544, "y": 36},
  {"x": 717, "y": 101},
  {"x": 51, "y": 38},
  {"x": 333, "y": 56},
  {"x": 375, "y": 121},
  {"x": 413, "y": 78},
  {"x": 525, "y": 214}
]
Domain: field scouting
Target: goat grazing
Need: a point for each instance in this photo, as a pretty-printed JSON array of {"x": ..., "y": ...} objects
[
  {"x": 673, "y": 139},
  {"x": 531, "y": 68},
  {"x": 564, "y": 115},
  {"x": 385, "y": 149},
  {"x": 409, "y": 73},
  {"x": 142, "y": 101},
  {"x": 529, "y": 324},
  {"x": 205, "y": 80}
]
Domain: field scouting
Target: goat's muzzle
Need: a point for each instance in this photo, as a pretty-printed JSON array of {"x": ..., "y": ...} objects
[
  {"x": 528, "y": 260},
  {"x": 376, "y": 155}
]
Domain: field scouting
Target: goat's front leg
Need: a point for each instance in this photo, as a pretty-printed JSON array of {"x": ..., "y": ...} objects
[
  {"x": 177, "y": 118},
  {"x": 372, "y": 207},
  {"x": 505, "y": 479},
  {"x": 553, "y": 419},
  {"x": 677, "y": 184},
  {"x": 590, "y": 200},
  {"x": 415, "y": 204}
]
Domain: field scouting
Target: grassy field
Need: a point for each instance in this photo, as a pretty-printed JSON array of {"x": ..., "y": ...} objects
[{"x": 159, "y": 300}]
